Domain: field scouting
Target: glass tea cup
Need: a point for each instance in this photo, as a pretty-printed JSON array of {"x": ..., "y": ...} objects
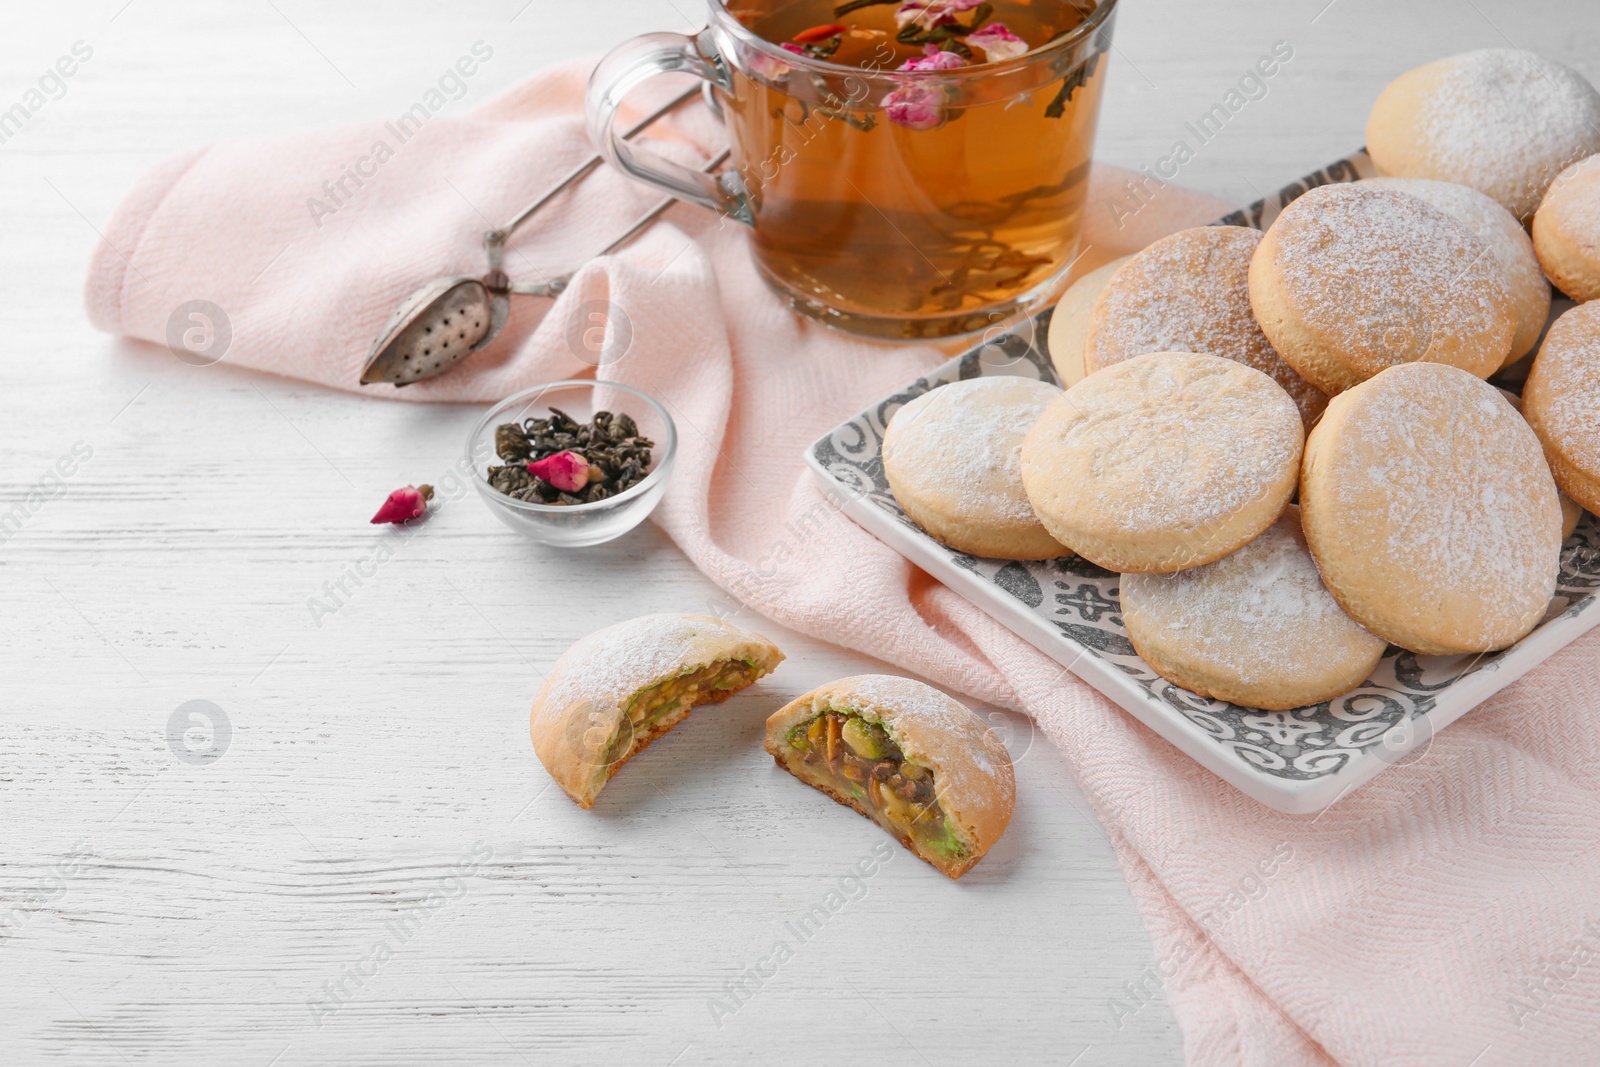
[{"x": 891, "y": 204}]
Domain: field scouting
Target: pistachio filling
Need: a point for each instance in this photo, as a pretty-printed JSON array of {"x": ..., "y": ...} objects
[
  {"x": 668, "y": 700},
  {"x": 857, "y": 758}
]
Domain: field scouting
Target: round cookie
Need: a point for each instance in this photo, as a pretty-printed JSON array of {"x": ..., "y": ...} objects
[
  {"x": 1430, "y": 511},
  {"x": 1163, "y": 461},
  {"x": 1562, "y": 402},
  {"x": 1353, "y": 279},
  {"x": 1504, "y": 122},
  {"x": 1571, "y": 513},
  {"x": 1255, "y": 628},
  {"x": 1190, "y": 292},
  {"x": 1566, "y": 231},
  {"x": 1069, "y": 325},
  {"x": 1510, "y": 243},
  {"x": 951, "y": 457}
]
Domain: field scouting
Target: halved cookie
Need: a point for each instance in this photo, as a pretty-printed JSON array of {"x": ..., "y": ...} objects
[
  {"x": 620, "y": 688},
  {"x": 912, "y": 759}
]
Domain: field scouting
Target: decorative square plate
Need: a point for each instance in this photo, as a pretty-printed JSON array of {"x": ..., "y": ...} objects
[{"x": 1295, "y": 761}]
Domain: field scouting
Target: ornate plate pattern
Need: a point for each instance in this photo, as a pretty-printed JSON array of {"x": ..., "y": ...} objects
[{"x": 1296, "y": 760}]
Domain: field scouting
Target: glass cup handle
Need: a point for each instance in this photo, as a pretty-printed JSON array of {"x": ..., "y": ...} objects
[{"x": 624, "y": 70}]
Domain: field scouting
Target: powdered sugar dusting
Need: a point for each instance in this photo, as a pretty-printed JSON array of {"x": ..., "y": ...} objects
[
  {"x": 1441, "y": 492},
  {"x": 1575, "y": 198},
  {"x": 1190, "y": 292},
  {"x": 1568, "y": 371},
  {"x": 1484, "y": 216},
  {"x": 1162, "y": 443},
  {"x": 1507, "y": 122},
  {"x": 1261, "y": 614},
  {"x": 608, "y": 666},
  {"x": 956, "y": 449},
  {"x": 1386, "y": 278}
]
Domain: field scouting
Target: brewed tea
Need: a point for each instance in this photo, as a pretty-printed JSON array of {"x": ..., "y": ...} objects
[{"x": 930, "y": 198}]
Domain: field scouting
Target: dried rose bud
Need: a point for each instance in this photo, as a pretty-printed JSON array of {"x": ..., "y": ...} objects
[
  {"x": 404, "y": 505},
  {"x": 931, "y": 13},
  {"x": 998, "y": 42},
  {"x": 916, "y": 107},
  {"x": 567, "y": 471},
  {"x": 765, "y": 66},
  {"x": 933, "y": 58}
]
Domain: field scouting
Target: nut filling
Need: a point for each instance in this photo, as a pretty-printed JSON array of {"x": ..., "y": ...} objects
[
  {"x": 852, "y": 757},
  {"x": 657, "y": 708}
]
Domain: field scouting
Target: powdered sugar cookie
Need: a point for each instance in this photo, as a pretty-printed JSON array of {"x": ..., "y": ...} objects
[
  {"x": 1163, "y": 461},
  {"x": 1255, "y": 628},
  {"x": 1069, "y": 324},
  {"x": 1510, "y": 243},
  {"x": 1431, "y": 512},
  {"x": 1500, "y": 120},
  {"x": 1562, "y": 402},
  {"x": 951, "y": 457},
  {"x": 1566, "y": 231},
  {"x": 1571, "y": 513},
  {"x": 917, "y": 762},
  {"x": 620, "y": 688},
  {"x": 1190, "y": 292},
  {"x": 1353, "y": 279}
]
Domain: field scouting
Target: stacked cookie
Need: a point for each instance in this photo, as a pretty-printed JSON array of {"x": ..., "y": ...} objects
[
  {"x": 1342, "y": 355},
  {"x": 1523, "y": 132}
]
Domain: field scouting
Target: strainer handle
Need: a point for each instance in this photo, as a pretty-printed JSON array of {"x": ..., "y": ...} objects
[{"x": 623, "y": 71}]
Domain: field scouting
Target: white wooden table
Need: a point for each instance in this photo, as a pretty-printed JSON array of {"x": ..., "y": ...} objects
[{"x": 375, "y": 869}]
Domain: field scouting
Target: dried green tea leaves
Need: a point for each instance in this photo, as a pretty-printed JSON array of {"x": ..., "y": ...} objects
[{"x": 611, "y": 443}]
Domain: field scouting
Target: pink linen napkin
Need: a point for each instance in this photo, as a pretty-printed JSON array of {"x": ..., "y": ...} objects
[{"x": 1449, "y": 913}]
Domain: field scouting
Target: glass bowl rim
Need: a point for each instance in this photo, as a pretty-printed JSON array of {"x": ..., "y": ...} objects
[
  {"x": 658, "y": 470},
  {"x": 1101, "y": 13}
]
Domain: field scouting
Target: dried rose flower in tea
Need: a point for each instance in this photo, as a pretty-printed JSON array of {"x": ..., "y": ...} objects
[
  {"x": 617, "y": 455},
  {"x": 902, "y": 34},
  {"x": 985, "y": 178}
]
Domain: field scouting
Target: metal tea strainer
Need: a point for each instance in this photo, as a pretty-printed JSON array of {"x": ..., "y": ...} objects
[{"x": 447, "y": 320}]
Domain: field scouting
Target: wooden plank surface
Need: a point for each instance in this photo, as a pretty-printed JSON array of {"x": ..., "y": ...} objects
[{"x": 375, "y": 869}]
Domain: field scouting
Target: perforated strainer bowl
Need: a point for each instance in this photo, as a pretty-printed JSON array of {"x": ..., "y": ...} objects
[{"x": 576, "y": 525}]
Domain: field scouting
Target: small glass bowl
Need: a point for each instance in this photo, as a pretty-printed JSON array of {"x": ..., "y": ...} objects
[{"x": 576, "y": 525}]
